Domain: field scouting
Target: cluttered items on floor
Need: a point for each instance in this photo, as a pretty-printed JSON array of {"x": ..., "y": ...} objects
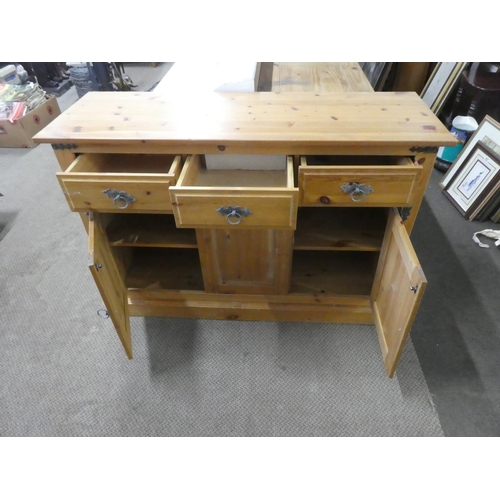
[{"x": 24, "y": 110}]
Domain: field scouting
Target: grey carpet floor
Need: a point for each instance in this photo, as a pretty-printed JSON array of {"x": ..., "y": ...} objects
[{"x": 63, "y": 371}]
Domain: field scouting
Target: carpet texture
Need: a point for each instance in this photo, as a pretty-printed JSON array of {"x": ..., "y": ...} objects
[{"x": 63, "y": 371}]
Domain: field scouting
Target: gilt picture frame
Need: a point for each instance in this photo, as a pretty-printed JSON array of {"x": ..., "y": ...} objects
[{"x": 440, "y": 84}]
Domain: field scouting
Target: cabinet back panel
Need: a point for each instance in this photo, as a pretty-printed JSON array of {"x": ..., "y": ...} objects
[{"x": 336, "y": 273}]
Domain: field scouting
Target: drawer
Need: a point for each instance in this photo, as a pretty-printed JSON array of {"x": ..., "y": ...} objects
[
  {"x": 357, "y": 180},
  {"x": 236, "y": 198},
  {"x": 120, "y": 182}
]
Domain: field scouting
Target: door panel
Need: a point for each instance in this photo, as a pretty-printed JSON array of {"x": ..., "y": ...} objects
[
  {"x": 397, "y": 291},
  {"x": 245, "y": 261},
  {"x": 109, "y": 280}
]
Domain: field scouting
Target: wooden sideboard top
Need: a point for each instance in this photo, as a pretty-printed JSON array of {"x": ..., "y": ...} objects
[{"x": 266, "y": 118}]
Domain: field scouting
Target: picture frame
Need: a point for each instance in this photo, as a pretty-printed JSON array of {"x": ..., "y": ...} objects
[
  {"x": 376, "y": 73},
  {"x": 440, "y": 84},
  {"x": 478, "y": 175},
  {"x": 488, "y": 129}
]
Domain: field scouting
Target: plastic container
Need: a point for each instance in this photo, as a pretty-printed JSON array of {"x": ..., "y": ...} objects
[
  {"x": 462, "y": 128},
  {"x": 8, "y": 74}
]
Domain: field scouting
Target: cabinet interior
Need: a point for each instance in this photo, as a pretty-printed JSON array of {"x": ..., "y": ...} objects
[
  {"x": 164, "y": 269},
  {"x": 340, "y": 229},
  {"x": 319, "y": 160},
  {"x": 123, "y": 163},
  {"x": 335, "y": 251},
  {"x": 148, "y": 230},
  {"x": 197, "y": 174},
  {"x": 336, "y": 273}
]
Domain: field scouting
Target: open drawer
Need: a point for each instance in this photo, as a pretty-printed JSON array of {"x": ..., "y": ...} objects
[
  {"x": 120, "y": 182},
  {"x": 234, "y": 198},
  {"x": 357, "y": 180}
]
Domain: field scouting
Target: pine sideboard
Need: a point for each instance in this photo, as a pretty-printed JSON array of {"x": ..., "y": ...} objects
[{"x": 252, "y": 206}]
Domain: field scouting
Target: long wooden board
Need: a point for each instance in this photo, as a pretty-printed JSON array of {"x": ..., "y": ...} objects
[
  {"x": 222, "y": 122},
  {"x": 319, "y": 77}
]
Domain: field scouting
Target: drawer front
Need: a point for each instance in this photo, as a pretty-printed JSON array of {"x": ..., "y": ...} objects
[
  {"x": 358, "y": 185},
  {"x": 209, "y": 207},
  {"x": 101, "y": 191}
]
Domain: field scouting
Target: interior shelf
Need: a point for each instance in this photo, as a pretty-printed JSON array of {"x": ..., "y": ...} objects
[
  {"x": 341, "y": 273},
  {"x": 125, "y": 163},
  {"x": 340, "y": 229},
  {"x": 137, "y": 230},
  {"x": 165, "y": 268},
  {"x": 355, "y": 160},
  {"x": 241, "y": 178}
]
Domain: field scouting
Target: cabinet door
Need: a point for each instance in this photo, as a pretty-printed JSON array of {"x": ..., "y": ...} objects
[
  {"x": 397, "y": 291},
  {"x": 109, "y": 281}
]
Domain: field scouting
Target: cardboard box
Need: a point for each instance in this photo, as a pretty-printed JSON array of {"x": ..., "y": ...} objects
[{"x": 20, "y": 133}]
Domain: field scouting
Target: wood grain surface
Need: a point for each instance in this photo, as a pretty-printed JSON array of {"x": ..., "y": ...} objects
[
  {"x": 280, "y": 122},
  {"x": 319, "y": 77}
]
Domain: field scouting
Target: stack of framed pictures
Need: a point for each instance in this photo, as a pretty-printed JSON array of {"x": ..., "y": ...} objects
[
  {"x": 441, "y": 83},
  {"x": 472, "y": 183}
]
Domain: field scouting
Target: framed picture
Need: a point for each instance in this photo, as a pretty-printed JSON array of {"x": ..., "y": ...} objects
[
  {"x": 487, "y": 132},
  {"x": 376, "y": 73},
  {"x": 480, "y": 172},
  {"x": 440, "y": 84}
]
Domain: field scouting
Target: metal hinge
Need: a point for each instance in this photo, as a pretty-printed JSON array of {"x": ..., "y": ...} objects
[
  {"x": 405, "y": 213},
  {"x": 64, "y": 146},
  {"x": 423, "y": 149}
]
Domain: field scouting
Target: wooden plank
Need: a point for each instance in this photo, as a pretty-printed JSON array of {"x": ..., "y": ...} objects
[
  {"x": 123, "y": 164},
  {"x": 294, "y": 307},
  {"x": 319, "y": 77},
  {"x": 241, "y": 178},
  {"x": 241, "y": 147},
  {"x": 220, "y": 119}
]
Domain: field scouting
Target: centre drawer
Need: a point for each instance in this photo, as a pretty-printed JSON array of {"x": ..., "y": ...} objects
[
  {"x": 239, "y": 198},
  {"x": 357, "y": 180},
  {"x": 120, "y": 182}
]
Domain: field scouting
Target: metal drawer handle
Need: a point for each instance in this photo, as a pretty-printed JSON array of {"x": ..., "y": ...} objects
[
  {"x": 231, "y": 212},
  {"x": 357, "y": 191},
  {"x": 120, "y": 198}
]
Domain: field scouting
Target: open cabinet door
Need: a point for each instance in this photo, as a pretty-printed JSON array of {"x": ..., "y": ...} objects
[
  {"x": 109, "y": 281},
  {"x": 397, "y": 291}
]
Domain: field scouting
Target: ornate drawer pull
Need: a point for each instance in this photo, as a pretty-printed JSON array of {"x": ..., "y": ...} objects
[
  {"x": 120, "y": 198},
  {"x": 357, "y": 191},
  {"x": 230, "y": 212}
]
